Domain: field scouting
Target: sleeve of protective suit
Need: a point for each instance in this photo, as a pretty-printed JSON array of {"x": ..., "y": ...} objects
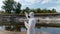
[
  {"x": 26, "y": 14},
  {"x": 26, "y": 25},
  {"x": 29, "y": 25}
]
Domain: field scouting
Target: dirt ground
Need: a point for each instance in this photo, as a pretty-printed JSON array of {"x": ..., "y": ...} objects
[{"x": 10, "y": 32}]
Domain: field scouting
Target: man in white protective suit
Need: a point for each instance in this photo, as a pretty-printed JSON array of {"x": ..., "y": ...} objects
[{"x": 31, "y": 23}]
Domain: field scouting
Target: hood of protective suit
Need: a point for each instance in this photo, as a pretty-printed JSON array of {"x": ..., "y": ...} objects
[{"x": 31, "y": 14}]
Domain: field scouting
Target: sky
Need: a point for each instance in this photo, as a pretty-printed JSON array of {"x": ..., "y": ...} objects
[{"x": 48, "y": 4}]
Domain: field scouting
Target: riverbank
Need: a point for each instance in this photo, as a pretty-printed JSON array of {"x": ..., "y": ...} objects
[{"x": 10, "y": 32}]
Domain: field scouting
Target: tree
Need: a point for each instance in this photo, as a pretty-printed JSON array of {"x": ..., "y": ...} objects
[
  {"x": 44, "y": 11},
  {"x": 27, "y": 9},
  {"x": 22, "y": 11},
  {"x": 17, "y": 8},
  {"x": 38, "y": 10},
  {"x": 53, "y": 10},
  {"x": 49, "y": 11},
  {"x": 8, "y": 5}
]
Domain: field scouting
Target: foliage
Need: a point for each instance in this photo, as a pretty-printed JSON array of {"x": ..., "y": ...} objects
[
  {"x": 25, "y": 10},
  {"x": 38, "y": 10},
  {"x": 8, "y": 5},
  {"x": 11, "y": 5},
  {"x": 17, "y": 8}
]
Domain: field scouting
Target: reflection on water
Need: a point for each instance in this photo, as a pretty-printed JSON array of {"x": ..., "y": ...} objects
[
  {"x": 52, "y": 30},
  {"x": 49, "y": 29},
  {"x": 2, "y": 27}
]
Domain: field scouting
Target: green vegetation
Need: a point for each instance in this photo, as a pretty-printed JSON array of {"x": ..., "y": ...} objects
[
  {"x": 38, "y": 10},
  {"x": 13, "y": 7},
  {"x": 8, "y": 5}
]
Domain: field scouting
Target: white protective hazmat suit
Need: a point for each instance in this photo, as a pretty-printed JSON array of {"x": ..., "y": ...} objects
[{"x": 31, "y": 23}]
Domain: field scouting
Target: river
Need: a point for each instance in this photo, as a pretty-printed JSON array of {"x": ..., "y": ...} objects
[{"x": 52, "y": 30}]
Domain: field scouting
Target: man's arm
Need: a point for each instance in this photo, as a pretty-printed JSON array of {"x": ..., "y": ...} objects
[
  {"x": 26, "y": 14},
  {"x": 26, "y": 25}
]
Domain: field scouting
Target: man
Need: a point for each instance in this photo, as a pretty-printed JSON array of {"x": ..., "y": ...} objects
[{"x": 31, "y": 23}]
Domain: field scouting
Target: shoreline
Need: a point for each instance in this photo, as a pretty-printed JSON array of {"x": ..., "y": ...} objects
[{"x": 24, "y": 32}]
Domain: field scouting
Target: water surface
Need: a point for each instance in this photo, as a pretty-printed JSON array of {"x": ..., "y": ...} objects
[{"x": 52, "y": 30}]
